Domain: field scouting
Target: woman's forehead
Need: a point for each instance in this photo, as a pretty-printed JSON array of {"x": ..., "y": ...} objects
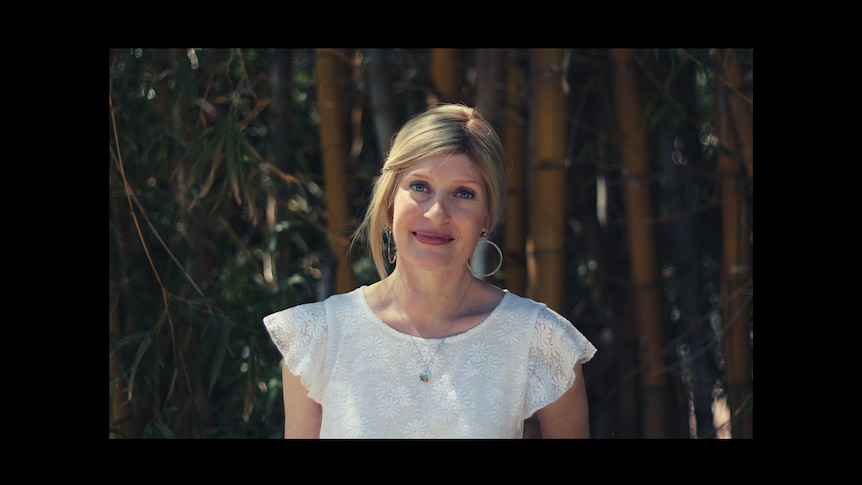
[{"x": 450, "y": 166}]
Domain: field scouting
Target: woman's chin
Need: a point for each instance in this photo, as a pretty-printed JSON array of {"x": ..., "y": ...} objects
[{"x": 435, "y": 263}]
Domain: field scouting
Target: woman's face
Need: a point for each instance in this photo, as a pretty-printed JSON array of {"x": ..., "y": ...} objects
[{"x": 438, "y": 213}]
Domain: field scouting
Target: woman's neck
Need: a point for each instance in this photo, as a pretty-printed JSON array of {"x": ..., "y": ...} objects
[{"x": 430, "y": 306}]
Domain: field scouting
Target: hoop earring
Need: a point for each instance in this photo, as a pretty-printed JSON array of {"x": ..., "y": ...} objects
[
  {"x": 485, "y": 239},
  {"x": 390, "y": 255}
]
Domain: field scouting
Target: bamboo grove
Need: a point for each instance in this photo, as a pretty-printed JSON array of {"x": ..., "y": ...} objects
[{"x": 236, "y": 177}]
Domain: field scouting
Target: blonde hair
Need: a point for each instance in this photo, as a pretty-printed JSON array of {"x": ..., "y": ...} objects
[{"x": 442, "y": 129}]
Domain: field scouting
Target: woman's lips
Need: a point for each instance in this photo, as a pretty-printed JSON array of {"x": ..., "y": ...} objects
[{"x": 432, "y": 237}]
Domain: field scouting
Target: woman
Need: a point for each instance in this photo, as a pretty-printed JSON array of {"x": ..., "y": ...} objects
[{"x": 430, "y": 350}]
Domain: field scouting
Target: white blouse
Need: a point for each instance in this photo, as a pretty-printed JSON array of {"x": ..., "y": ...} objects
[{"x": 484, "y": 382}]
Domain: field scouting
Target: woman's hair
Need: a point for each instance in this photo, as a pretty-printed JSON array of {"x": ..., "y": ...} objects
[{"x": 440, "y": 130}]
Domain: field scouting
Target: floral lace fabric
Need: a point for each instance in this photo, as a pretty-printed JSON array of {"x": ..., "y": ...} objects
[{"x": 484, "y": 383}]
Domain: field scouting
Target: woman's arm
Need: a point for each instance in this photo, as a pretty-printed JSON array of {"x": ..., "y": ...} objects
[
  {"x": 301, "y": 413},
  {"x": 568, "y": 416}
]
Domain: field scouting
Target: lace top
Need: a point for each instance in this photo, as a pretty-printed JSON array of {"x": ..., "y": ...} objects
[{"x": 484, "y": 382}]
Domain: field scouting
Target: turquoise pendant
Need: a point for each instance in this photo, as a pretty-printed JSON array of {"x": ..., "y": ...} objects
[{"x": 425, "y": 376}]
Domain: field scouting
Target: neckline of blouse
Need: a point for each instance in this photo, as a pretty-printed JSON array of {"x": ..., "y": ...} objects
[{"x": 449, "y": 338}]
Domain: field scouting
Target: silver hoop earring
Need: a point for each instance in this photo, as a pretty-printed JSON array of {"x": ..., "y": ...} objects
[
  {"x": 485, "y": 239},
  {"x": 390, "y": 255}
]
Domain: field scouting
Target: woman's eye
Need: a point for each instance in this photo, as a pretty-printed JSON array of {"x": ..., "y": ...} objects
[
  {"x": 464, "y": 194},
  {"x": 419, "y": 187}
]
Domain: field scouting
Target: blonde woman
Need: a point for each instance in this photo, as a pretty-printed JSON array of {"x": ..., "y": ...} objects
[{"x": 431, "y": 350}]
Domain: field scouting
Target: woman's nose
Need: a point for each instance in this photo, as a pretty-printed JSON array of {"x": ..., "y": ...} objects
[{"x": 438, "y": 211}]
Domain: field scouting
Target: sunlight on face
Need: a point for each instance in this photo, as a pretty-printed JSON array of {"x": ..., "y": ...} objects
[{"x": 439, "y": 211}]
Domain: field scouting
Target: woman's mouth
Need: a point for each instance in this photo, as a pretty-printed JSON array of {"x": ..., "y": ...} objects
[{"x": 434, "y": 238}]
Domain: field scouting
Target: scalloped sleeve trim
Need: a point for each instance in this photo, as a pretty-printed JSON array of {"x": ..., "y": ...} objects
[
  {"x": 299, "y": 333},
  {"x": 556, "y": 345}
]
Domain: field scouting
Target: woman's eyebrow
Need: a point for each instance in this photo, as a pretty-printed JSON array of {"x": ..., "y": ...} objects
[{"x": 428, "y": 177}]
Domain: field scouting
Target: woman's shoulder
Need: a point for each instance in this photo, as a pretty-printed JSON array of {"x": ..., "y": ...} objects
[
  {"x": 315, "y": 309},
  {"x": 350, "y": 298},
  {"x": 523, "y": 303},
  {"x": 537, "y": 312},
  {"x": 549, "y": 326}
]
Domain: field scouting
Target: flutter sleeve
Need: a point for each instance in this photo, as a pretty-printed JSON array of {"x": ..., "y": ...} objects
[
  {"x": 555, "y": 347},
  {"x": 299, "y": 333}
]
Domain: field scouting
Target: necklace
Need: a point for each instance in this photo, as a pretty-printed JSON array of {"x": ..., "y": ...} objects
[{"x": 425, "y": 375}]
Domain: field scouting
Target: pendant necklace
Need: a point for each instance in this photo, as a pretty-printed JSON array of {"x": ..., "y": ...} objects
[{"x": 425, "y": 375}]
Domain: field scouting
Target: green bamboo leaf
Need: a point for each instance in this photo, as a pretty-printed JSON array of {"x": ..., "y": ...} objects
[
  {"x": 209, "y": 160},
  {"x": 164, "y": 430},
  {"x": 252, "y": 151},
  {"x": 142, "y": 349},
  {"x": 245, "y": 155},
  {"x": 230, "y": 152},
  {"x": 219, "y": 350}
]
